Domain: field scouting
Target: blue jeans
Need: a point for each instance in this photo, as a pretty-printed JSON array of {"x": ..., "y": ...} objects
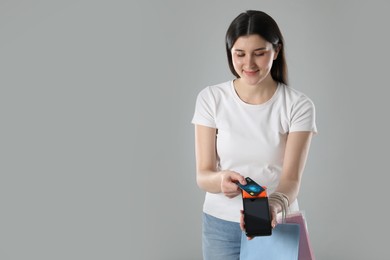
[{"x": 221, "y": 239}]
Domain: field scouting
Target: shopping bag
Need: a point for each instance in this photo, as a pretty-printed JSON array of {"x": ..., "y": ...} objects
[
  {"x": 283, "y": 244},
  {"x": 305, "y": 250}
]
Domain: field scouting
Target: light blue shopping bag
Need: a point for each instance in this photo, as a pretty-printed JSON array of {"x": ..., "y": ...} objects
[{"x": 283, "y": 244}]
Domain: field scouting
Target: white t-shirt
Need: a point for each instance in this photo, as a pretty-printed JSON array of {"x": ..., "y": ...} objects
[{"x": 251, "y": 138}]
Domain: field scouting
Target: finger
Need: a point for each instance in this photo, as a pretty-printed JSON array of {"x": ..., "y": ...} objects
[
  {"x": 232, "y": 195},
  {"x": 235, "y": 176},
  {"x": 232, "y": 186},
  {"x": 242, "y": 223},
  {"x": 243, "y": 181},
  {"x": 229, "y": 184},
  {"x": 232, "y": 191},
  {"x": 274, "y": 221}
]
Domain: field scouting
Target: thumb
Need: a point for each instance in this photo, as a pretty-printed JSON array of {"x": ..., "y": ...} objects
[
  {"x": 241, "y": 179},
  {"x": 236, "y": 177},
  {"x": 274, "y": 221}
]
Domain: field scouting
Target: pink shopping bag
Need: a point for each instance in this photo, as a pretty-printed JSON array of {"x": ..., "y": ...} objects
[{"x": 305, "y": 250}]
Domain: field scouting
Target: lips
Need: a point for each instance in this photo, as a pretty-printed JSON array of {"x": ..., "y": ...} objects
[{"x": 251, "y": 72}]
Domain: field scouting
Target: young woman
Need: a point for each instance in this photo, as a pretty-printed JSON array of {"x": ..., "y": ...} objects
[{"x": 253, "y": 126}]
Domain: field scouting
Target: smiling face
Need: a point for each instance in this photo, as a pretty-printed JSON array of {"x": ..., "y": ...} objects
[{"x": 252, "y": 59}]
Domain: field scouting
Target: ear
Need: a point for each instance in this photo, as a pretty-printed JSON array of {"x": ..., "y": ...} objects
[{"x": 277, "y": 49}]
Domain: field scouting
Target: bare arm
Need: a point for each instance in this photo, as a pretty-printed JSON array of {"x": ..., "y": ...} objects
[
  {"x": 296, "y": 152},
  {"x": 207, "y": 176}
]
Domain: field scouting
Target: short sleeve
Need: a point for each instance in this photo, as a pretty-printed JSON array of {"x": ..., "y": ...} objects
[
  {"x": 303, "y": 116},
  {"x": 205, "y": 109}
]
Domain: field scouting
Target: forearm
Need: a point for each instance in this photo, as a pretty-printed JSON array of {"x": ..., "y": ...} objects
[
  {"x": 297, "y": 148},
  {"x": 208, "y": 177},
  {"x": 289, "y": 188}
]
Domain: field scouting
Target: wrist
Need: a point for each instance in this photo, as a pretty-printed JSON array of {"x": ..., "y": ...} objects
[{"x": 280, "y": 203}]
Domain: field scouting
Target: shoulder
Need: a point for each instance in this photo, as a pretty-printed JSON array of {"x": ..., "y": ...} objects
[
  {"x": 300, "y": 111},
  {"x": 216, "y": 89},
  {"x": 207, "y": 104},
  {"x": 214, "y": 93},
  {"x": 294, "y": 97}
]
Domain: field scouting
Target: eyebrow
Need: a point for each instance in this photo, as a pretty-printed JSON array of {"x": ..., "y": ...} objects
[{"x": 258, "y": 49}]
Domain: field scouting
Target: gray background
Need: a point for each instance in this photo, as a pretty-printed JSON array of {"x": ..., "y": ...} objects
[{"x": 97, "y": 154}]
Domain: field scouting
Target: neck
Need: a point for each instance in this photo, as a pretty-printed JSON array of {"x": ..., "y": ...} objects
[{"x": 255, "y": 94}]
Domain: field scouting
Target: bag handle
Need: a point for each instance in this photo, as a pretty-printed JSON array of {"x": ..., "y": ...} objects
[{"x": 282, "y": 200}]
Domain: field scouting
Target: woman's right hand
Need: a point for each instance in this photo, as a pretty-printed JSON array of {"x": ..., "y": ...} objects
[{"x": 228, "y": 183}]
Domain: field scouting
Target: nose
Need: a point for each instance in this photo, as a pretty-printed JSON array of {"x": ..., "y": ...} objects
[{"x": 249, "y": 61}]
